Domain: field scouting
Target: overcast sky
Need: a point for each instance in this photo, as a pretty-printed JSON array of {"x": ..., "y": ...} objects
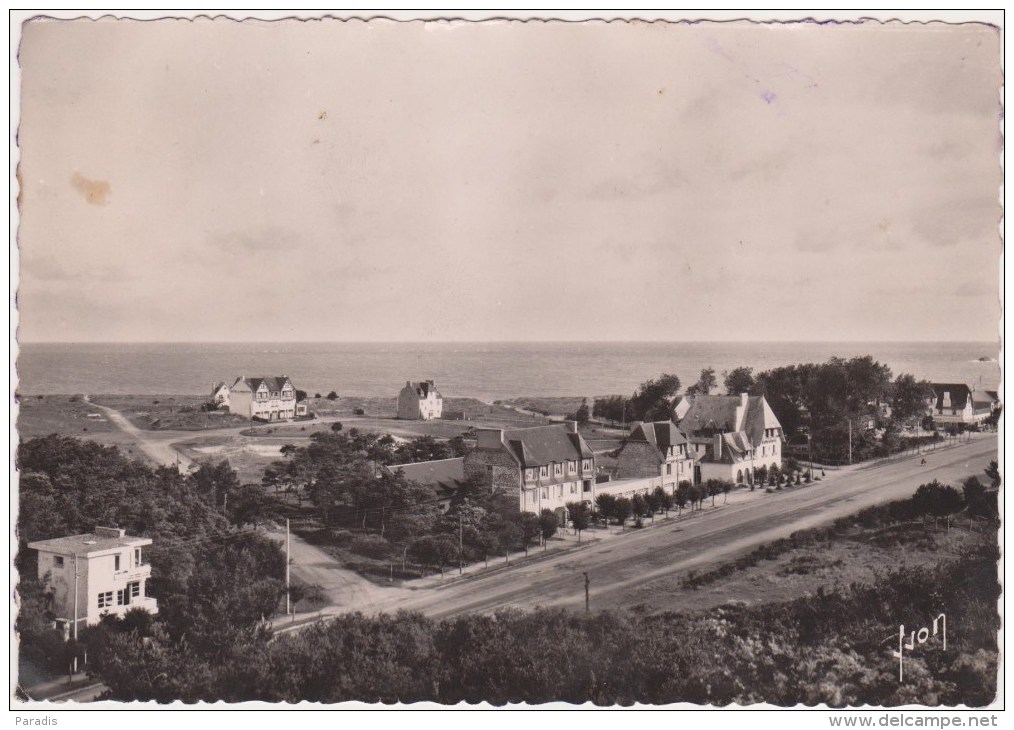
[{"x": 227, "y": 181}]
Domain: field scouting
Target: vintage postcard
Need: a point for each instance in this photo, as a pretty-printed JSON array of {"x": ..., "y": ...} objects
[{"x": 417, "y": 360}]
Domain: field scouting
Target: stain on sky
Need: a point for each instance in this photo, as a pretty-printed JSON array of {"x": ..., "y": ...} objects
[{"x": 95, "y": 192}]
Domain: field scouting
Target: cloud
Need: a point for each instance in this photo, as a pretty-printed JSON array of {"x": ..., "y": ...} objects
[{"x": 96, "y": 192}]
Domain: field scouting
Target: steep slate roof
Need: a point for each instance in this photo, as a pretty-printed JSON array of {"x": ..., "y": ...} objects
[
  {"x": 423, "y": 387},
  {"x": 960, "y": 393},
  {"x": 719, "y": 413},
  {"x": 660, "y": 434},
  {"x": 87, "y": 544},
  {"x": 445, "y": 474},
  {"x": 273, "y": 383},
  {"x": 541, "y": 445}
]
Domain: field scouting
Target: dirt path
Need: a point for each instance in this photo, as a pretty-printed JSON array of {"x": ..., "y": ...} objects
[{"x": 159, "y": 450}]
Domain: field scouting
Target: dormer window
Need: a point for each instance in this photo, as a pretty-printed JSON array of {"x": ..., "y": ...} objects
[
  {"x": 557, "y": 469},
  {"x": 543, "y": 471}
]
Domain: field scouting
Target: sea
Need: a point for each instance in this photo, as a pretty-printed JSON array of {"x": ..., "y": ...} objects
[{"x": 487, "y": 371}]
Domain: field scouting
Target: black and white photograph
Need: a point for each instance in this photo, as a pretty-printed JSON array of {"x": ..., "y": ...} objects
[{"x": 507, "y": 360}]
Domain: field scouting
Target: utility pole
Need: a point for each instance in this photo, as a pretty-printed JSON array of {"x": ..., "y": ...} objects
[
  {"x": 850, "y": 440},
  {"x": 288, "y": 603},
  {"x": 77, "y": 576},
  {"x": 461, "y": 563},
  {"x": 587, "y": 582}
]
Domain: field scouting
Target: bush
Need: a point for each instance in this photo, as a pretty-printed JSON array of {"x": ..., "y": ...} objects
[
  {"x": 332, "y": 396},
  {"x": 371, "y": 546},
  {"x": 341, "y": 538}
]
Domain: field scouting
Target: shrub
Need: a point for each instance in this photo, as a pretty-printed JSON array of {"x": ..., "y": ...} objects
[{"x": 371, "y": 546}]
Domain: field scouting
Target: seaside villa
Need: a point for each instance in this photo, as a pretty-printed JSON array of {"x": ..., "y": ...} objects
[
  {"x": 731, "y": 435},
  {"x": 420, "y": 401},
  {"x": 89, "y": 575},
  {"x": 956, "y": 403},
  {"x": 264, "y": 398}
]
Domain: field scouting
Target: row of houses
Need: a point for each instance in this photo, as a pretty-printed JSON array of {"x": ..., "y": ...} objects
[
  {"x": 274, "y": 398},
  {"x": 545, "y": 467}
]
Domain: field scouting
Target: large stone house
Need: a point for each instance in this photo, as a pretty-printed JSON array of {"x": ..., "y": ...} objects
[
  {"x": 106, "y": 567},
  {"x": 656, "y": 449},
  {"x": 731, "y": 435},
  {"x": 266, "y": 398},
  {"x": 420, "y": 401},
  {"x": 543, "y": 466}
]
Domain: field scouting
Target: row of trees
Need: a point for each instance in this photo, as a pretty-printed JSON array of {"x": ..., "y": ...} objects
[{"x": 827, "y": 648}]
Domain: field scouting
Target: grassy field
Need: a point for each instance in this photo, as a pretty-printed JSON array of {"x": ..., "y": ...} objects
[
  {"x": 169, "y": 412},
  {"x": 64, "y": 414},
  {"x": 837, "y": 558},
  {"x": 560, "y": 406}
]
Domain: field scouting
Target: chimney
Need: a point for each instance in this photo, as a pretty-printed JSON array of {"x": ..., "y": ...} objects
[
  {"x": 114, "y": 532},
  {"x": 743, "y": 399},
  {"x": 488, "y": 438},
  {"x": 408, "y": 383},
  {"x": 718, "y": 446},
  {"x": 571, "y": 426}
]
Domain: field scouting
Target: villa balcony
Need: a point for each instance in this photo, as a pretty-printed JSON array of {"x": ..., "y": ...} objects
[
  {"x": 138, "y": 572},
  {"x": 148, "y": 604}
]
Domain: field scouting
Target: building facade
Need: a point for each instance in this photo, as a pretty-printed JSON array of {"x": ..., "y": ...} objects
[
  {"x": 107, "y": 568},
  {"x": 656, "y": 449},
  {"x": 220, "y": 394},
  {"x": 956, "y": 403},
  {"x": 731, "y": 435},
  {"x": 265, "y": 398},
  {"x": 544, "y": 467},
  {"x": 420, "y": 401}
]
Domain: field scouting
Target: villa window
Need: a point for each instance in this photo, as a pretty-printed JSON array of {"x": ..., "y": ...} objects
[
  {"x": 586, "y": 465},
  {"x": 543, "y": 471},
  {"x": 573, "y": 488},
  {"x": 116, "y": 563},
  {"x": 106, "y": 599},
  {"x": 121, "y": 597},
  {"x": 668, "y": 469},
  {"x": 137, "y": 557},
  {"x": 545, "y": 493},
  {"x": 557, "y": 469},
  {"x": 134, "y": 588}
]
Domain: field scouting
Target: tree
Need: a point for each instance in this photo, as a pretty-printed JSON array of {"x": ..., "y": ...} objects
[
  {"x": 661, "y": 501},
  {"x": 421, "y": 448},
  {"x": 713, "y": 487},
  {"x": 975, "y": 497},
  {"x": 332, "y": 396},
  {"x": 726, "y": 488},
  {"x": 614, "y": 408},
  {"x": 434, "y": 550},
  {"x": 530, "y": 527},
  {"x": 638, "y": 505},
  {"x": 738, "y": 380},
  {"x": 910, "y": 398},
  {"x": 993, "y": 472},
  {"x": 337, "y": 426},
  {"x": 300, "y": 395},
  {"x": 582, "y": 415},
  {"x": 937, "y": 499},
  {"x": 457, "y": 446},
  {"x": 605, "y": 504},
  {"x": 682, "y": 496},
  {"x": 654, "y": 400},
  {"x": 548, "y": 523},
  {"x": 622, "y": 509},
  {"x": 580, "y": 516},
  {"x": 705, "y": 383},
  {"x": 248, "y": 505}
]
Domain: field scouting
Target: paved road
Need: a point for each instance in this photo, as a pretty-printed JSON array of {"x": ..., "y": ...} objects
[
  {"x": 622, "y": 567},
  {"x": 158, "y": 450}
]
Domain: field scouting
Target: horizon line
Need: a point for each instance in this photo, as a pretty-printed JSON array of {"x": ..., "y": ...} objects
[{"x": 500, "y": 342}]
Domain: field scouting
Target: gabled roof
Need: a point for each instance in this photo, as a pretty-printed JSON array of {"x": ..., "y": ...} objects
[
  {"x": 423, "y": 388},
  {"x": 272, "y": 383},
  {"x": 660, "y": 434},
  {"x": 542, "y": 445},
  {"x": 735, "y": 447},
  {"x": 445, "y": 474},
  {"x": 959, "y": 394},
  {"x": 87, "y": 544},
  {"x": 216, "y": 387},
  {"x": 722, "y": 413}
]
